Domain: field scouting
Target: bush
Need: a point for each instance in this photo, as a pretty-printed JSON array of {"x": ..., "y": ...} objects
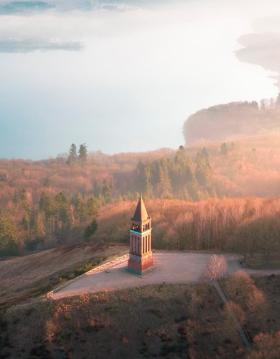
[
  {"x": 241, "y": 289},
  {"x": 266, "y": 346},
  {"x": 90, "y": 230}
]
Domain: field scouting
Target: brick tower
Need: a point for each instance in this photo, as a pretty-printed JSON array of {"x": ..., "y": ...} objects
[{"x": 140, "y": 253}]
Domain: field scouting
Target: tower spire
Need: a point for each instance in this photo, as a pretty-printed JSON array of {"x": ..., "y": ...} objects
[
  {"x": 140, "y": 253},
  {"x": 140, "y": 213}
]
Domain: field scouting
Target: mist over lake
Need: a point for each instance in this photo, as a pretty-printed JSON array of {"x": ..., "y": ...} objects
[{"x": 120, "y": 75}]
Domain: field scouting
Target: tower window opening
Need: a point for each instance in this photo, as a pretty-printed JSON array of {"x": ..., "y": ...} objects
[{"x": 136, "y": 227}]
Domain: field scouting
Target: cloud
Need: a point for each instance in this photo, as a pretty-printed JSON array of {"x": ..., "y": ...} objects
[
  {"x": 14, "y": 7},
  {"x": 261, "y": 49},
  {"x": 22, "y": 7},
  {"x": 31, "y": 45}
]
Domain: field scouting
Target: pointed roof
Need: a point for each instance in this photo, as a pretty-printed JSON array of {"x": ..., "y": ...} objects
[{"x": 141, "y": 213}]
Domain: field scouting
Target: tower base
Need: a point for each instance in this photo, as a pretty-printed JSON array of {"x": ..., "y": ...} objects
[{"x": 139, "y": 265}]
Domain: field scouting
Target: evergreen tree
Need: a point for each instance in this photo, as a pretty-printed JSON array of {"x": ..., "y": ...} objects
[
  {"x": 164, "y": 184},
  {"x": 193, "y": 190},
  {"x": 90, "y": 230},
  {"x": 81, "y": 208},
  {"x": 140, "y": 177},
  {"x": 92, "y": 206},
  {"x": 8, "y": 237},
  {"x": 107, "y": 190},
  {"x": 144, "y": 179},
  {"x": 148, "y": 186},
  {"x": 40, "y": 228},
  {"x": 203, "y": 169},
  {"x": 26, "y": 223},
  {"x": 63, "y": 211},
  {"x": 47, "y": 205},
  {"x": 181, "y": 174},
  {"x": 83, "y": 153},
  {"x": 224, "y": 149},
  {"x": 72, "y": 157}
]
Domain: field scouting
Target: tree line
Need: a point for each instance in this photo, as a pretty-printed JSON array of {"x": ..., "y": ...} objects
[
  {"x": 250, "y": 227},
  {"x": 179, "y": 176},
  {"x": 75, "y": 155},
  {"x": 55, "y": 219}
]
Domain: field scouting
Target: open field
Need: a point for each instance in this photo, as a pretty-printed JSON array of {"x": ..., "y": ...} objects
[{"x": 30, "y": 276}]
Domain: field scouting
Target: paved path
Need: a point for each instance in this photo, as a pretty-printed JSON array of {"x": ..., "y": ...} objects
[{"x": 170, "y": 267}]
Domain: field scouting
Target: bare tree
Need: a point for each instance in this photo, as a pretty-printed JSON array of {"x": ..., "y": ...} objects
[{"x": 216, "y": 267}]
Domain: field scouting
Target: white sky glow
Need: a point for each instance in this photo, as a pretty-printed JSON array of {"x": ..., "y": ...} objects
[{"x": 139, "y": 75}]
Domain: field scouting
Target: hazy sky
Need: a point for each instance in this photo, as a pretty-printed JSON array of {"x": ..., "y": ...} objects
[{"x": 124, "y": 75}]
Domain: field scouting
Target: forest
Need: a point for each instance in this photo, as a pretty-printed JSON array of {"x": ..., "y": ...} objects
[
  {"x": 248, "y": 226},
  {"x": 48, "y": 203},
  {"x": 227, "y": 121},
  {"x": 226, "y": 191}
]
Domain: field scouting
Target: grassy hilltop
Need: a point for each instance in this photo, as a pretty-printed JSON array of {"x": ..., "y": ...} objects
[{"x": 166, "y": 321}]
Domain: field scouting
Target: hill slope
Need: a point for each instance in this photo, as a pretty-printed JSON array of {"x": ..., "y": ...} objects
[
  {"x": 228, "y": 121},
  {"x": 166, "y": 321},
  {"x": 29, "y": 276}
]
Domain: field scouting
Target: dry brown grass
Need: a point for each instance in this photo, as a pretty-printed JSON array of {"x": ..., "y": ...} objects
[
  {"x": 165, "y": 321},
  {"x": 29, "y": 276},
  {"x": 149, "y": 322},
  {"x": 257, "y": 301}
]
